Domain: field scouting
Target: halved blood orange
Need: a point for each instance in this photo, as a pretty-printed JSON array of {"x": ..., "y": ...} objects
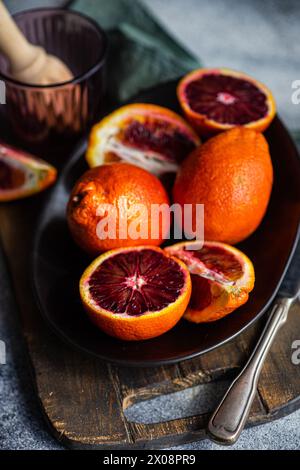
[
  {"x": 21, "y": 174},
  {"x": 145, "y": 135},
  {"x": 222, "y": 277},
  {"x": 135, "y": 293},
  {"x": 215, "y": 100}
]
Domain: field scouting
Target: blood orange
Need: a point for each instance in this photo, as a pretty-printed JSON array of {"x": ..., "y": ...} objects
[
  {"x": 22, "y": 175},
  {"x": 222, "y": 277},
  {"x": 127, "y": 194},
  {"x": 232, "y": 175},
  {"x": 145, "y": 135},
  {"x": 214, "y": 100},
  {"x": 135, "y": 293}
]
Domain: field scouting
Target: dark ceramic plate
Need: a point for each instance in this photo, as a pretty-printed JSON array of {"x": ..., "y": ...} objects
[{"x": 58, "y": 263}]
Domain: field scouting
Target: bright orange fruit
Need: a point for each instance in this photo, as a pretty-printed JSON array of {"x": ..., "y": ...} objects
[
  {"x": 135, "y": 293},
  {"x": 232, "y": 175},
  {"x": 121, "y": 186},
  {"x": 222, "y": 277}
]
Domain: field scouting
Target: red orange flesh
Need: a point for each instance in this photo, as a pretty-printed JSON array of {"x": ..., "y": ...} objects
[
  {"x": 146, "y": 135},
  {"x": 135, "y": 293},
  {"x": 218, "y": 99},
  {"x": 22, "y": 175},
  {"x": 222, "y": 278}
]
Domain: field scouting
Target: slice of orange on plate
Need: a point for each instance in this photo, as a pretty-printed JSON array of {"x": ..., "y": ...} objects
[
  {"x": 135, "y": 293},
  {"x": 222, "y": 277},
  {"x": 22, "y": 175},
  {"x": 218, "y": 99},
  {"x": 144, "y": 135}
]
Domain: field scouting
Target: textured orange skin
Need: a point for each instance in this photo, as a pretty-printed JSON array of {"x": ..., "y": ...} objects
[
  {"x": 148, "y": 325},
  {"x": 225, "y": 299},
  {"x": 207, "y": 127},
  {"x": 232, "y": 175},
  {"x": 106, "y": 184}
]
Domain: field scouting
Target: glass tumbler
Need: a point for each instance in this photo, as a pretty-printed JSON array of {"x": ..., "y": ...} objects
[{"x": 41, "y": 112}]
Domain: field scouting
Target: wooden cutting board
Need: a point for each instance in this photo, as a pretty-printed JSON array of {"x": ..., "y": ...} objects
[{"x": 84, "y": 399}]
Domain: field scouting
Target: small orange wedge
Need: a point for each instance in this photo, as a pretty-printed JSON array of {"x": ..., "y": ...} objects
[
  {"x": 22, "y": 175},
  {"x": 222, "y": 277}
]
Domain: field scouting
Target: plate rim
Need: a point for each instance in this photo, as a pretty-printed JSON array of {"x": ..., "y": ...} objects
[{"x": 78, "y": 150}]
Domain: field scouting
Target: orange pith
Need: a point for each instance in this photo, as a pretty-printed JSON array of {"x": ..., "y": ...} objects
[
  {"x": 22, "y": 175},
  {"x": 116, "y": 184},
  {"x": 222, "y": 277},
  {"x": 232, "y": 175},
  {"x": 147, "y": 325},
  {"x": 146, "y": 135},
  {"x": 204, "y": 123}
]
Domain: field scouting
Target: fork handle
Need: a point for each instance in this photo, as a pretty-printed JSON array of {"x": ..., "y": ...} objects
[{"x": 228, "y": 421}]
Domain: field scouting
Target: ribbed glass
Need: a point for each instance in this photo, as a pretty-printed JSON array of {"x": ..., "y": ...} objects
[{"x": 38, "y": 113}]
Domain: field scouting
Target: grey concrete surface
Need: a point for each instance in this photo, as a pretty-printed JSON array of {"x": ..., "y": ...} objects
[
  {"x": 21, "y": 422},
  {"x": 257, "y": 37}
]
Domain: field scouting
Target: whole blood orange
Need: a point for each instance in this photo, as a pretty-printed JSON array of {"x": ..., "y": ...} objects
[
  {"x": 232, "y": 175},
  {"x": 135, "y": 293},
  {"x": 215, "y": 100},
  {"x": 146, "y": 135},
  {"x": 222, "y": 277},
  {"x": 110, "y": 200}
]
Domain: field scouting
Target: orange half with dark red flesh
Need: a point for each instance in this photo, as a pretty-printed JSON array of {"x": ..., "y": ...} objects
[
  {"x": 135, "y": 293},
  {"x": 218, "y": 99}
]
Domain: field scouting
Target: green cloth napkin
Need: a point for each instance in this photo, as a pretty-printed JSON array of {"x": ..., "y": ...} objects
[{"x": 141, "y": 53}]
